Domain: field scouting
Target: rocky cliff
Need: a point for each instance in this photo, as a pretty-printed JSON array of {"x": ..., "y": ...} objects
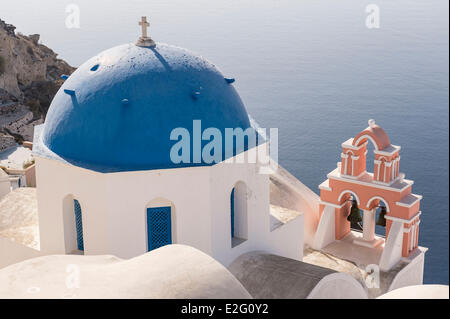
[{"x": 29, "y": 78}]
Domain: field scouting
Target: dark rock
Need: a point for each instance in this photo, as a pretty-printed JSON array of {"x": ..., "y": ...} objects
[
  {"x": 34, "y": 38},
  {"x": 9, "y": 28}
]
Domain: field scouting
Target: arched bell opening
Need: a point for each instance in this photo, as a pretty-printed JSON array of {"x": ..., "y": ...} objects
[
  {"x": 380, "y": 208},
  {"x": 351, "y": 211}
]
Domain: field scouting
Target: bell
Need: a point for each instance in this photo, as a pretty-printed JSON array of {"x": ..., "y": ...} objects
[
  {"x": 381, "y": 219},
  {"x": 354, "y": 217}
]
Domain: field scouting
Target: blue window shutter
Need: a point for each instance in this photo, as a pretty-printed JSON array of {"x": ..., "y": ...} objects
[
  {"x": 78, "y": 224},
  {"x": 159, "y": 227},
  {"x": 232, "y": 213}
]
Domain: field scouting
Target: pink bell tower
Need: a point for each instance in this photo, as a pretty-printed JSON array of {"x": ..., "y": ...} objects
[{"x": 351, "y": 182}]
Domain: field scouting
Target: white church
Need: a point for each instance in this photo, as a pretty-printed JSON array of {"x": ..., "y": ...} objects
[
  {"x": 108, "y": 184},
  {"x": 104, "y": 156}
]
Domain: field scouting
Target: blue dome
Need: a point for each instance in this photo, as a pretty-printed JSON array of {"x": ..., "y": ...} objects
[{"x": 117, "y": 110}]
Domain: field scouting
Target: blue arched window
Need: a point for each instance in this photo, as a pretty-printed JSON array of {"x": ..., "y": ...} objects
[
  {"x": 238, "y": 214},
  {"x": 78, "y": 224},
  {"x": 232, "y": 213},
  {"x": 159, "y": 227}
]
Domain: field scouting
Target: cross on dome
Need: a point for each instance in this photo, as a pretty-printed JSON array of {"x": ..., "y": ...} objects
[
  {"x": 145, "y": 40},
  {"x": 144, "y": 24}
]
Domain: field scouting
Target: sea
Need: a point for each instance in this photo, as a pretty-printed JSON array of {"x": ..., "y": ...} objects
[{"x": 317, "y": 70}]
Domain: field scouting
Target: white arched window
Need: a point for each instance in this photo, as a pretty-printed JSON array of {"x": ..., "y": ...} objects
[{"x": 73, "y": 225}]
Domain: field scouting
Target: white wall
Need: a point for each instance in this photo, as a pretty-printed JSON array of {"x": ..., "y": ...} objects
[
  {"x": 325, "y": 233},
  {"x": 114, "y": 207},
  {"x": 293, "y": 194},
  {"x": 114, "y": 210},
  {"x": 69, "y": 221},
  {"x": 5, "y": 186},
  {"x": 410, "y": 275},
  {"x": 286, "y": 241},
  {"x": 58, "y": 180},
  {"x": 128, "y": 194},
  {"x": 392, "y": 251}
]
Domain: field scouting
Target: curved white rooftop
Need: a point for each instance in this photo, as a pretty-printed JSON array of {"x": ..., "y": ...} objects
[
  {"x": 418, "y": 292},
  {"x": 174, "y": 271}
]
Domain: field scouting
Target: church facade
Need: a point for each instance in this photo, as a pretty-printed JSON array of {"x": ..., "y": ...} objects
[{"x": 222, "y": 210}]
